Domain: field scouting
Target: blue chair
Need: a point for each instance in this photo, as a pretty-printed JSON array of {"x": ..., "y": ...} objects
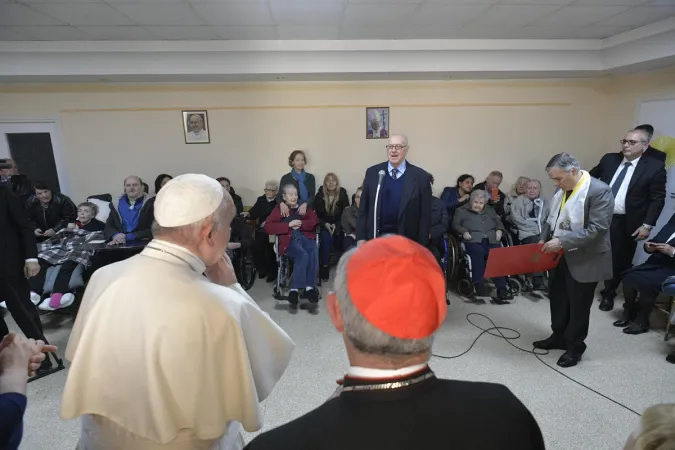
[{"x": 668, "y": 288}]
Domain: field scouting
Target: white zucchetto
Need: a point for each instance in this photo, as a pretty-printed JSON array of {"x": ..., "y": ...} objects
[{"x": 187, "y": 199}]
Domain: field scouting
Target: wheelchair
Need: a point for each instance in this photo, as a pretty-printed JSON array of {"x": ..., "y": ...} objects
[
  {"x": 459, "y": 269},
  {"x": 244, "y": 266},
  {"x": 285, "y": 273}
]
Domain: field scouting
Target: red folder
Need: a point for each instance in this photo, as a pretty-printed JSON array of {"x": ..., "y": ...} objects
[{"x": 520, "y": 259}]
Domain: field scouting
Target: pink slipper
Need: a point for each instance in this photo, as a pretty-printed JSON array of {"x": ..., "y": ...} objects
[{"x": 55, "y": 301}]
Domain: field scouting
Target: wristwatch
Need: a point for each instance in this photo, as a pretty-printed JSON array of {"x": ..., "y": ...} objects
[{"x": 649, "y": 227}]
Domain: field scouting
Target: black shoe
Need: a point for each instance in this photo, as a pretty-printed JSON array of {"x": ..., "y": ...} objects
[
  {"x": 293, "y": 298},
  {"x": 635, "y": 328},
  {"x": 481, "y": 290},
  {"x": 538, "y": 285},
  {"x": 549, "y": 344},
  {"x": 622, "y": 323},
  {"x": 312, "y": 295},
  {"x": 607, "y": 304},
  {"x": 503, "y": 295},
  {"x": 569, "y": 359},
  {"x": 271, "y": 277},
  {"x": 261, "y": 275},
  {"x": 671, "y": 358}
]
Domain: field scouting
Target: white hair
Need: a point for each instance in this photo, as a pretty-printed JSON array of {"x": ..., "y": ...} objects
[
  {"x": 361, "y": 333},
  {"x": 272, "y": 183},
  {"x": 564, "y": 162},
  {"x": 289, "y": 186},
  {"x": 189, "y": 234},
  {"x": 478, "y": 194}
]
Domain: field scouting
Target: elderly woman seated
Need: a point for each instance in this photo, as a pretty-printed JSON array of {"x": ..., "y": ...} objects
[
  {"x": 528, "y": 213},
  {"x": 263, "y": 249},
  {"x": 480, "y": 229},
  {"x": 297, "y": 240}
]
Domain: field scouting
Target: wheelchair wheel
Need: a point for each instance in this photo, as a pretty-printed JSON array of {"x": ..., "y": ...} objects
[
  {"x": 276, "y": 293},
  {"x": 247, "y": 270},
  {"x": 514, "y": 286},
  {"x": 465, "y": 288}
]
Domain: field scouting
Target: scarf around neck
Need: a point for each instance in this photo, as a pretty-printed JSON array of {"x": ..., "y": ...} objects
[
  {"x": 302, "y": 189},
  {"x": 567, "y": 216}
]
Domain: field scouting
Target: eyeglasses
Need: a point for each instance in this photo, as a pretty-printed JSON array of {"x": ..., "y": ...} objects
[
  {"x": 270, "y": 190},
  {"x": 630, "y": 142},
  {"x": 397, "y": 147}
]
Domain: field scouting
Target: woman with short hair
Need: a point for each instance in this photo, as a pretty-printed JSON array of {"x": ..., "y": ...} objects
[{"x": 480, "y": 228}]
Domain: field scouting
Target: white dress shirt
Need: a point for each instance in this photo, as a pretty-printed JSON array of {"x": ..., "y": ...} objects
[
  {"x": 365, "y": 372},
  {"x": 400, "y": 168},
  {"x": 620, "y": 199}
]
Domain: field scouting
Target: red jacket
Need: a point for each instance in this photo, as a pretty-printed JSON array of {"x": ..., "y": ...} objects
[{"x": 278, "y": 225}]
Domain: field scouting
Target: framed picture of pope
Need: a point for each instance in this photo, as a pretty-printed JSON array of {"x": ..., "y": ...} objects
[
  {"x": 196, "y": 127},
  {"x": 377, "y": 123}
]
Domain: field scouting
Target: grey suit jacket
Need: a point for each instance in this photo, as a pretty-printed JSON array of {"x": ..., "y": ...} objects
[{"x": 588, "y": 251}]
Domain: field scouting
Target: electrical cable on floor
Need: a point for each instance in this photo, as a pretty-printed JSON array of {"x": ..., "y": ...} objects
[{"x": 538, "y": 353}]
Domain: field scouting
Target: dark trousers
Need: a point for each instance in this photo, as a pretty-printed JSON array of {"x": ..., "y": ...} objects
[
  {"x": 571, "y": 303},
  {"x": 325, "y": 246},
  {"x": 263, "y": 254},
  {"x": 348, "y": 243},
  {"x": 15, "y": 291},
  {"x": 305, "y": 257},
  {"x": 62, "y": 282},
  {"x": 437, "y": 249},
  {"x": 623, "y": 250},
  {"x": 478, "y": 252},
  {"x": 533, "y": 240},
  {"x": 645, "y": 279}
]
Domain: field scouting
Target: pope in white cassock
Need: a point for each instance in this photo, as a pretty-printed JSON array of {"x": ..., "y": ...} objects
[{"x": 162, "y": 357}]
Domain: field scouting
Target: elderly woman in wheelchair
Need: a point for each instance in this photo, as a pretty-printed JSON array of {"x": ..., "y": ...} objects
[
  {"x": 296, "y": 236},
  {"x": 480, "y": 229}
]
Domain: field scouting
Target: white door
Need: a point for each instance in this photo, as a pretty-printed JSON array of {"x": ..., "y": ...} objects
[{"x": 48, "y": 126}]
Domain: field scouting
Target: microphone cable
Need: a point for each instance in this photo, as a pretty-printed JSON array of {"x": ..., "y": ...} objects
[{"x": 538, "y": 353}]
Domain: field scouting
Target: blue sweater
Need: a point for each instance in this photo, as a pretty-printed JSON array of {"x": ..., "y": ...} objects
[
  {"x": 12, "y": 408},
  {"x": 392, "y": 191},
  {"x": 130, "y": 216}
]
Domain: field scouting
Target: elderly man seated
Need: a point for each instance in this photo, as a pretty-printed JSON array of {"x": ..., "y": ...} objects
[
  {"x": 480, "y": 229},
  {"x": 131, "y": 217},
  {"x": 495, "y": 197},
  {"x": 49, "y": 212},
  {"x": 646, "y": 279},
  {"x": 529, "y": 212},
  {"x": 263, "y": 249},
  {"x": 297, "y": 240}
]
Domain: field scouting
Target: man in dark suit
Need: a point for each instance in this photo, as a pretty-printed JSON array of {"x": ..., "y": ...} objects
[
  {"x": 18, "y": 262},
  {"x": 646, "y": 279},
  {"x": 581, "y": 211},
  {"x": 638, "y": 183},
  {"x": 651, "y": 151},
  {"x": 404, "y": 200},
  {"x": 390, "y": 398}
]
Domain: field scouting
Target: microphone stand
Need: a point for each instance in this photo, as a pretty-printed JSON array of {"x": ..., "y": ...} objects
[{"x": 377, "y": 195}]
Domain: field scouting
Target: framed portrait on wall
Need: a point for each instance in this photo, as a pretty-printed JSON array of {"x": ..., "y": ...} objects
[
  {"x": 377, "y": 123},
  {"x": 196, "y": 127}
]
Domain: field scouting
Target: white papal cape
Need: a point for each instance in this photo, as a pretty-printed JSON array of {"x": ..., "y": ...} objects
[{"x": 164, "y": 359}]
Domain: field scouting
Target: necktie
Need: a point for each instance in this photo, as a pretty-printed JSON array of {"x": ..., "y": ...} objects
[
  {"x": 617, "y": 184},
  {"x": 394, "y": 173},
  {"x": 535, "y": 210}
]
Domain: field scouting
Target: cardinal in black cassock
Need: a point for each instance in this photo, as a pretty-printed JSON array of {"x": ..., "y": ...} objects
[{"x": 389, "y": 302}]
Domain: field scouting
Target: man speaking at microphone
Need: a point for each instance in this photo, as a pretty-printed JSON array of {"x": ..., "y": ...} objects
[{"x": 396, "y": 197}]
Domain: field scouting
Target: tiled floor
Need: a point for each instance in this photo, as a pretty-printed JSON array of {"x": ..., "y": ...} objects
[{"x": 629, "y": 369}]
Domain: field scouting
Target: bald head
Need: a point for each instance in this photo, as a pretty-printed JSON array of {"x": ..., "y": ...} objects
[{"x": 133, "y": 187}]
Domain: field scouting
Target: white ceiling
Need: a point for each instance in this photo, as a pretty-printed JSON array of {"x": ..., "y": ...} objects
[{"x": 137, "y": 20}]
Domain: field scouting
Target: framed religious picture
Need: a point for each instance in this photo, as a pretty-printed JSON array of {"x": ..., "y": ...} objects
[
  {"x": 377, "y": 123},
  {"x": 196, "y": 127}
]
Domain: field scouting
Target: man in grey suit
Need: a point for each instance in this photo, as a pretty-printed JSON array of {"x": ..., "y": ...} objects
[{"x": 587, "y": 256}]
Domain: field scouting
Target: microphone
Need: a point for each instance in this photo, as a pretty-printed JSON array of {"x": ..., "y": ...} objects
[{"x": 380, "y": 179}]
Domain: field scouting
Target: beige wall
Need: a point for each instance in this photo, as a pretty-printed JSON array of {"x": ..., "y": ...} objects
[{"x": 110, "y": 131}]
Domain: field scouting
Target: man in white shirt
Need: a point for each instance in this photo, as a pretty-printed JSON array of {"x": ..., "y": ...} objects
[
  {"x": 168, "y": 351},
  {"x": 638, "y": 183}
]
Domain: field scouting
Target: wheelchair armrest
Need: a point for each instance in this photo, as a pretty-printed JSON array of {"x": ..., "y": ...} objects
[{"x": 668, "y": 286}]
